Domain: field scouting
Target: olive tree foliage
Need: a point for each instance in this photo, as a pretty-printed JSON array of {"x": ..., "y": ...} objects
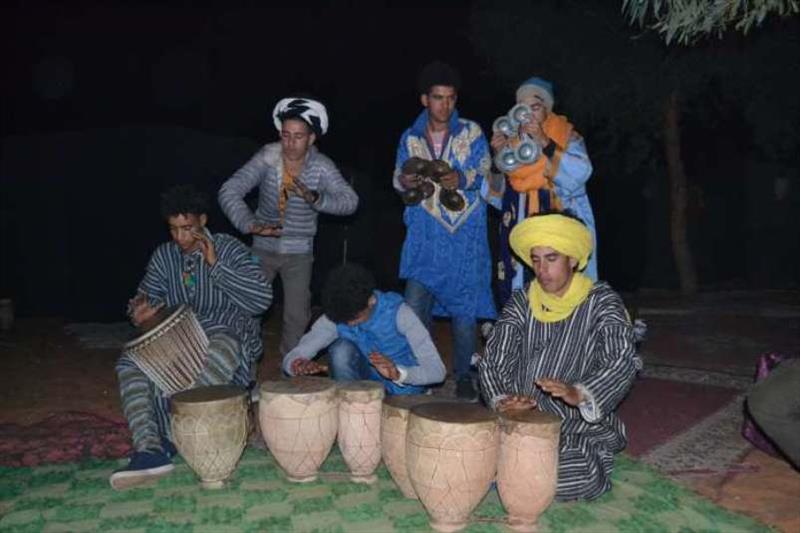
[{"x": 686, "y": 21}]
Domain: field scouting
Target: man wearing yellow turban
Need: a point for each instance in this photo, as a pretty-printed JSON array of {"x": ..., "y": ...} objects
[{"x": 567, "y": 347}]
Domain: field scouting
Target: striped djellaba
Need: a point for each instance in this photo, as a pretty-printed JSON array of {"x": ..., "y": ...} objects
[
  {"x": 593, "y": 348},
  {"x": 227, "y": 300}
]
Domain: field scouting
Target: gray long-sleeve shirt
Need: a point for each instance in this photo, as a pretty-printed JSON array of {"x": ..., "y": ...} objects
[
  {"x": 265, "y": 171},
  {"x": 430, "y": 367}
]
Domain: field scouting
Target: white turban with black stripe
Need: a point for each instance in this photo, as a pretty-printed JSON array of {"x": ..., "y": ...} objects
[{"x": 309, "y": 111}]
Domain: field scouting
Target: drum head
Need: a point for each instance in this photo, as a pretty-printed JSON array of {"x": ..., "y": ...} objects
[
  {"x": 163, "y": 317},
  {"x": 530, "y": 416},
  {"x": 454, "y": 412},
  {"x": 407, "y": 401},
  {"x": 298, "y": 385},
  {"x": 209, "y": 394}
]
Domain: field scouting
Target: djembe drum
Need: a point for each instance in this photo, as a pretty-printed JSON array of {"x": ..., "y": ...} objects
[
  {"x": 451, "y": 456},
  {"x": 527, "y": 467},
  {"x": 394, "y": 424},
  {"x": 299, "y": 419},
  {"x": 173, "y": 351},
  {"x": 359, "y": 436},
  {"x": 210, "y": 428}
]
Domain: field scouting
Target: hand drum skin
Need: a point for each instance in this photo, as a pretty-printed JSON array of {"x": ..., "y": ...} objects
[
  {"x": 210, "y": 428},
  {"x": 299, "y": 419},
  {"x": 359, "y": 436},
  {"x": 527, "y": 468},
  {"x": 451, "y": 456}
]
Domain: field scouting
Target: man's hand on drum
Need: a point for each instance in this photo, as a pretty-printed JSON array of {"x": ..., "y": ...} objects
[
  {"x": 206, "y": 246},
  {"x": 141, "y": 311},
  {"x": 569, "y": 394},
  {"x": 409, "y": 181},
  {"x": 306, "y": 367},
  {"x": 266, "y": 230},
  {"x": 516, "y": 402},
  {"x": 384, "y": 366},
  {"x": 450, "y": 180}
]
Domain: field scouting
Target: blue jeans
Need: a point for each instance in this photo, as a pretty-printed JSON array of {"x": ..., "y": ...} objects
[
  {"x": 347, "y": 362},
  {"x": 465, "y": 328}
]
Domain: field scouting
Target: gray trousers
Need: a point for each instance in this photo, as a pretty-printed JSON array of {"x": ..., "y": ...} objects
[
  {"x": 774, "y": 403},
  {"x": 295, "y": 273}
]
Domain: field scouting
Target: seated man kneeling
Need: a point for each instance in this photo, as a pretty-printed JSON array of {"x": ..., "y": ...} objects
[
  {"x": 566, "y": 347},
  {"x": 370, "y": 335}
]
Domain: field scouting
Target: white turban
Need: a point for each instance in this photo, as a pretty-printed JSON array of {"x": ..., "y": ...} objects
[{"x": 309, "y": 111}]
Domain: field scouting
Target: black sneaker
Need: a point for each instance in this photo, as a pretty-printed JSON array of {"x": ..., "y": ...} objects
[
  {"x": 465, "y": 390},
  {"x": 143, "y": 467}
]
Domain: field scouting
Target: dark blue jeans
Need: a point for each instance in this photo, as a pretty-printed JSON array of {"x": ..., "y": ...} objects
[
  {"x": 347, "y": 362},
  {"x": 464, "y": 328}
]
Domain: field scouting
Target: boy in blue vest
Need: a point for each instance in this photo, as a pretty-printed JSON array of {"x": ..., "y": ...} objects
[{"x": 369, "y": 335}]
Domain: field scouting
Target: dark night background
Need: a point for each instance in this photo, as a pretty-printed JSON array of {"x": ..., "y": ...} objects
[{"x": 104, "y": 104}]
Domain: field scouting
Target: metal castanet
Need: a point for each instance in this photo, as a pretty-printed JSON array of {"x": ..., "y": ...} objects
[
  {"x": 210, "y": 426},
  {"x": 299, "y": 420},
  {"x": 527, "y": 466},
  {"x": 451, "y": 457}
]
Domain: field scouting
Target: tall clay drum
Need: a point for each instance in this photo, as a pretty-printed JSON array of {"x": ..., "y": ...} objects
[
  {"x": 299, "y": 419},
  {"x": 210, "y": 428},
  {"x": 451, "y": 456},
  {"x": 359, "y": 436},
  {"x": 394, "y": 423},
  {"x": 527, "y": 468}
]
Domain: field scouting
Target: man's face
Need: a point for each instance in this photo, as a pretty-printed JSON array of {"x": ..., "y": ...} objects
[
  {"x": 537, "y": 106},
  {"x": 441, "y": 102},
  {"x": 184, "y": 228},
  {"x": 296, "y": 138},
  {"x": 553, "y": 269}
]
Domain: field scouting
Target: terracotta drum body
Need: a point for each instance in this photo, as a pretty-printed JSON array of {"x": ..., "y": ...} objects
[
  {"x": 394, "y": 424},
  {"x": 299, "y": 419},
  {"x": 210, "y": 429},
  {"x": 360, "y": 428},
  {"x": 527, "y": 467},
  {"x": 451, "y": 456}
]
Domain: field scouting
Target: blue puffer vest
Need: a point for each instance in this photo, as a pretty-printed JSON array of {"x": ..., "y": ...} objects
[{"x": 379, "y": 334}]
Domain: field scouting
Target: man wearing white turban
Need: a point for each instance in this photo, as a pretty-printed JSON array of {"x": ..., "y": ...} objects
[
  {"x": 295, "y": 182},
  {"x": 565, "y": 347}
]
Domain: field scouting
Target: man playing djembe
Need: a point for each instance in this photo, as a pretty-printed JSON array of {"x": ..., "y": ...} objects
[
  {"x": 223, "y": 283},
  {"x": 565, "y": 347}
]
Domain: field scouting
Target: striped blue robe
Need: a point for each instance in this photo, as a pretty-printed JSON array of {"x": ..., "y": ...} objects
[{"x": 593, "y": 348}]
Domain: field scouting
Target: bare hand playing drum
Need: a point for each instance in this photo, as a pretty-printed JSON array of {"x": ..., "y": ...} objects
[
  {"x": 569, "y": 394},
  {"x": 306, "y": 367},
  {"x": 384, "y": 366},
  {"x": 206, "y": 246},
  {"x": 141, "y": 311},
  {"x": 266, "y": 230},
  {"x": 516, "y": 402}
]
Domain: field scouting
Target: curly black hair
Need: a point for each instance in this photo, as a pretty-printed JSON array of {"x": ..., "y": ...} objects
[
  {"x": 346, "y": 292},
  {"x": 438, "y": 73},
  {"x": 183, "y": 200}
]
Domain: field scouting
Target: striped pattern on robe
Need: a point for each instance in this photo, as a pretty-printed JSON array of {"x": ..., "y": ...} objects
[
  {"x": 228, "y": 297},
  {"x": 595, "y": 348}
]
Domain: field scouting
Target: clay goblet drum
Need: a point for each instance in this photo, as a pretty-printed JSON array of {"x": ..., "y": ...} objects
[
  {"x": 394, "y": 423},
  {"x": 451, "y": 456},
  {"x": 299, "y": 419},
  {"x": 359, "y": 436},
  {"x": 527, "y": 467},
  {"x": 210, "y": 428}
]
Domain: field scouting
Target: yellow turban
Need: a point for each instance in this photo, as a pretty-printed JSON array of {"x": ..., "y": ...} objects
[{"x": 561, "y": 233}]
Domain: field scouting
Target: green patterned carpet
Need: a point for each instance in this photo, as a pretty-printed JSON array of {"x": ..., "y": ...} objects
[{"x": 77, "y": 497}]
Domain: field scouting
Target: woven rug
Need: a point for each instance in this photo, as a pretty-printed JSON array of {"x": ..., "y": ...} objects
[{"x": 77, "y": 497}]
